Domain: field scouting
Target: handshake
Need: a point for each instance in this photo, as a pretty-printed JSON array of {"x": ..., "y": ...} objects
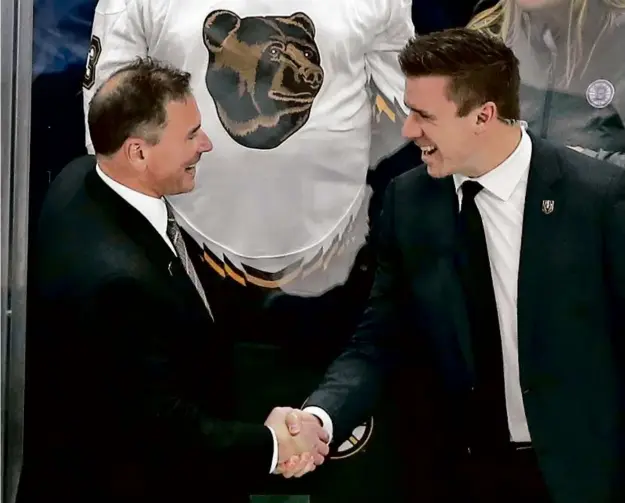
[{"x": 302, "y": 441}]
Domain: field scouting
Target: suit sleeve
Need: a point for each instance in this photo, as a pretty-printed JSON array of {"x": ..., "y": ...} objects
[
  {"x": 615, "y": 260},
  {"x": 119, "y": 35},
  {"x": 136, "y": 331},
  {"x": 352, "y": 383}
]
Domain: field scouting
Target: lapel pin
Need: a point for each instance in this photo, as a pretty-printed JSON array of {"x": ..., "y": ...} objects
[
  {"x": 169, "y": 268},
  {"x": 548, "y": 206}
]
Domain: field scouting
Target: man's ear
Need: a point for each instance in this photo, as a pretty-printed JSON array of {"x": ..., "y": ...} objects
[
  {"x": 135, "y": 151},
  {"x": 485, "y": 115}
]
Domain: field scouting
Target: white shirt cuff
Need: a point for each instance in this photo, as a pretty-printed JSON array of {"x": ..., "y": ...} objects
[
  {"x": 274, "y": 459},
  {"x": 323, "y": 416}
]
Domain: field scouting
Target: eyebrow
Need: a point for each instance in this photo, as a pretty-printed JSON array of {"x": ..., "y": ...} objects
[
  {"x": 195, "y": 130},
  {"x": 420, "y": 112}
]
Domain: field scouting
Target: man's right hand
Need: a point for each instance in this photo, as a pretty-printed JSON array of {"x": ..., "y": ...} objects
[{"x": 300, "y": 436}]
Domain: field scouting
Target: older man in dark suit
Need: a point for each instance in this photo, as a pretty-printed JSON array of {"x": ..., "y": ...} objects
[
  {"x": 503, "y": 258},
  {"x": 128, "y": 391}
]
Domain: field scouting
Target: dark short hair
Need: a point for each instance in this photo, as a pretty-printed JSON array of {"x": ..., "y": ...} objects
[
  {"x": 480, "y": 67},
  {"x": 135, "y": 105}
]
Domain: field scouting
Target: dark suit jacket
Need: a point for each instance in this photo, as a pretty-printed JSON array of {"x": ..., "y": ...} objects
[
  {"x": 128, "y": 378},
  {"x": 571, "y": 317}
]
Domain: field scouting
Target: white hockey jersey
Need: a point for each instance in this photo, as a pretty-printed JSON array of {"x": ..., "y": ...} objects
[{"x": 282, "y": 86}]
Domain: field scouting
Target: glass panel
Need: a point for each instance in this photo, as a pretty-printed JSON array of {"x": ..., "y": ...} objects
[{"x": 15, "y": 148}]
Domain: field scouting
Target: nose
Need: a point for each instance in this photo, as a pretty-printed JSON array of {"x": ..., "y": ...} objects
[
  {"x": 313, "y": 76},
  {"x": 411, "y": 129},
  {"x": 205, "y": 145}
]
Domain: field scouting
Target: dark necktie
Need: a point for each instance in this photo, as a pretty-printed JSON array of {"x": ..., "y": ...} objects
[
  {"x": 488, "y": 426},
  {"x": 174, "y": 234}
]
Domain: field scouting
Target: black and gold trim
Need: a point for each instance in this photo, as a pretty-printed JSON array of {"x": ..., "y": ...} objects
[{"x": 247, "y": 275}]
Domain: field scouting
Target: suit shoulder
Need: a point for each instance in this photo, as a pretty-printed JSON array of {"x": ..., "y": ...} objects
[
  {"x": 77, "y": 244},
  {"x": 413, "y": 178},
  {"x": 417, "y": 181},
  {"x": 68, "y": 183},
  {"x": 75, "y": 169},
  {"x": 591, "y": 174}
]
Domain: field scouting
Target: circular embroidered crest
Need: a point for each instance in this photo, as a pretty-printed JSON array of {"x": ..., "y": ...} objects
[
  {"x": 600, "y": 93},
  {"x": 355, "y": 443}
]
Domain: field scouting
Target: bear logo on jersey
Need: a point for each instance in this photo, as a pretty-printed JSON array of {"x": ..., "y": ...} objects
[{"x": 263, "y": 74}]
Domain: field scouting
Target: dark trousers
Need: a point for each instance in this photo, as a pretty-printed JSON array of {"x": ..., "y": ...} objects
[
  {"x": 435, "y": 461},
  {"x": 512, "y": 476}
]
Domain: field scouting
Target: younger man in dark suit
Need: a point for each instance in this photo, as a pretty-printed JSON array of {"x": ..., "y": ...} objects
[
  {"x": 503, "y": 258},
  {"x": 128, "y": 396}
]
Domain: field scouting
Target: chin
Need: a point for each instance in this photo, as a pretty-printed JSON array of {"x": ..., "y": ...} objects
[
  {"x": 188, "y": 184},
  {"x": 183, "y": 188},
  {"x": 436, "y": 172}
]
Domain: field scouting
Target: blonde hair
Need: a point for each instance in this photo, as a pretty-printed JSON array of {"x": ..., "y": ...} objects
[{"x": 503, "y": 20}]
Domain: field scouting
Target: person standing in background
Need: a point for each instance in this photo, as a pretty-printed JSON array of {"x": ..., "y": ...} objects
[
  {"x": 573, "y": 78},
  {"x": 286, "y": 113}
]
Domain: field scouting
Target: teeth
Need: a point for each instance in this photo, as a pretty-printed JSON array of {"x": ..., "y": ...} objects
[{"x": 428, "y": 150}]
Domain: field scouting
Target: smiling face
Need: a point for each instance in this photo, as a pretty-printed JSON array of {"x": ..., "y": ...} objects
[
  {"x": 448, "y": 142},
  {"x": 170, "y": 163},
  {"x": 462, "y": 90}
]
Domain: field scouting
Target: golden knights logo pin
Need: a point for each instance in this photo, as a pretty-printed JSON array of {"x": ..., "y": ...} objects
[{"x": 548, "y": 206}]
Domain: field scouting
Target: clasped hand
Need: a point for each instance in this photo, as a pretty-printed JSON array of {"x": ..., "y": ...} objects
[{"x": 302, "y": 442}]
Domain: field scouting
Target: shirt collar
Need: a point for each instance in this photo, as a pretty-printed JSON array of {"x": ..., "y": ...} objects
[
  {"x": 152, "y": 208},
  {"x": 502, "y": 180}
]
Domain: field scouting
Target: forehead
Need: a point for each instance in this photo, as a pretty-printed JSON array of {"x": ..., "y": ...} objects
[
  {"x": 428, "y": 93},
  {"x": 183, "y": 113}
]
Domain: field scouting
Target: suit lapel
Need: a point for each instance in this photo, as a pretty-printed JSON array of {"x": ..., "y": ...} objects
[
  {"x": 458, "y": 308},
  {"x": 439, "y": 214},
  {"x": 135, "y": 226},
  {"x": 544, "y": 205},
  {"x": 131, "y": 222},
  {"x": 453, "y": 287}
]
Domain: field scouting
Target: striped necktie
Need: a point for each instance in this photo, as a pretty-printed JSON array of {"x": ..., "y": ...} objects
[{"x": 174, "y": 234}]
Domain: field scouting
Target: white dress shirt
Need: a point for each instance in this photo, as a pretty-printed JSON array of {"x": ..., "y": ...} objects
[
  {"x": 155, "y": 212},
  {"x": 152, "y": 208},
  {"x": 501, "y": 205}
]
